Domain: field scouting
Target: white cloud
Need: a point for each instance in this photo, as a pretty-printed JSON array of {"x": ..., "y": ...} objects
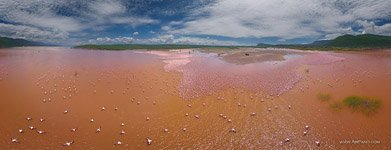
[
  {"x": 107, "y": 7},
  {"x": 371, "y": 27},
  {"x": 285, "y": 19},
  {"x": 107, "y": 40},
  {"x": 161, "y": 39},
  {"x": 135, "y": 33},
  {"x": 106, "y": 12},
  {"x": 44, "y": 15},
  {"x": 172, "y": 39},
  {"x": 339, "y": 32},
  {"x": 31, "y": 33},
  {"x": 202, "y": 41}
]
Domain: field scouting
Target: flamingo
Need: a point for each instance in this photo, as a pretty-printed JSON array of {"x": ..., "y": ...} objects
[
  {"x": 118, "y": 143},
  {"x": 149, "y": 141},
  {"x": 14, "y": 140},
  {"x": 31, "y": 127},
  {"x": 122, "y": 132},
  {"x": 317, "y": 143},
  {"x": 73, "y": 129},
  {"x": 41, "y": 132},
  {"x": 68, "y": 143}
]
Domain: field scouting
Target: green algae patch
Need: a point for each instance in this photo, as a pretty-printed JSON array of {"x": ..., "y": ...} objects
[
  {"x": 365, "y": 105},
  {"x": 324, "y": 96}
]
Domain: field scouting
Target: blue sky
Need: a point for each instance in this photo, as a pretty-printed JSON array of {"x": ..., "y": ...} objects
[{"x": 206, "y": 22}]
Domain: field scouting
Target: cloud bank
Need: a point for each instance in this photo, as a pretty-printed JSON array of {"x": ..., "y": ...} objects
[
  {"x": 162, "y": 39},
  {"x": 54, "y": 17},
  {"x": 189, "y": 22},
  {"x": 286, "y": 19}
]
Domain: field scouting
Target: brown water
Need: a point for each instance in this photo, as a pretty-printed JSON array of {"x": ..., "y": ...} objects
[{"x": 150, "y": 91}]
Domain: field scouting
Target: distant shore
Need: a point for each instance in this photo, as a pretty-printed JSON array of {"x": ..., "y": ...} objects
[{"x": 213, "y": 48}]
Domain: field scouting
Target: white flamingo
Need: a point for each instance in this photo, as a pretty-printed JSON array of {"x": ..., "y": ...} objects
[
  {"x": 41, "y": 132},
  {"x": 149, "y": 141},
  {"x": 68, "y": 143},
  {"x": 122, "y": 132},
  {"x": 317, "y": 143},
  {"x": 73, "y": 129},
  {"x": 14, "y": 140},
  {"x": 31, "y": 127},
  {"x": 118, "y": 143}
]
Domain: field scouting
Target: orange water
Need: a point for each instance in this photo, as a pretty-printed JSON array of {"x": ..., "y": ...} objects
[{"x": 164, "y": 86}]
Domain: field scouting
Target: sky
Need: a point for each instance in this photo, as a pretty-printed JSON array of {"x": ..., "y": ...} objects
[{"x": 198, "y": 22}]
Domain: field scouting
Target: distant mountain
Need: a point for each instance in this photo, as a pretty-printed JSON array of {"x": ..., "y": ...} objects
[
  {"x": 344, "y": 42},
  {"x": 361, "y": 41},
  {"x": 9, "y": 42},
  {"x": 263, "y": 45},
  {"x": 321, "y": 42}
]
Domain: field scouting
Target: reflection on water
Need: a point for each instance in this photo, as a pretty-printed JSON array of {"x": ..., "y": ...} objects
[{"x": 53, "y": 98}]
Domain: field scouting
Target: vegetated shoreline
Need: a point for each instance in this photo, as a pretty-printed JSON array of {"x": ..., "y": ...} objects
[
  {"x": 118, "y": 47},
  {"x": 206, "y": 48},
  {"x": 347, "y": 42}
]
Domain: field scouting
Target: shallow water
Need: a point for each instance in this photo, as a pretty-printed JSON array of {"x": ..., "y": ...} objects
[{"x": 150, "y": 91}]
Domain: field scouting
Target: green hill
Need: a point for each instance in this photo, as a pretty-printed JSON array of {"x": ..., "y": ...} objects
[
  {"x": 9, "y": 42},
  {"x": 361, "y": 41},
  {"x": 344, "y": 42}
]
